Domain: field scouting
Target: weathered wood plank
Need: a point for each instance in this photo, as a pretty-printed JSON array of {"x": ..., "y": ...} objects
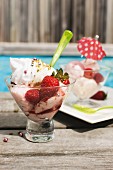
[
  {"x": 70, "y": 149},
  {"x": 89, "y": 19},
  {"x": 45, "y": 20},
  {"x": 44, "y": 25},
  {"x": 66, "y": 7},
  {"x": 80, "y": 18},
  {"x": 1, "y": 19},
  {"x": 33, "y": 21},
  {"x": 24, "y": 20},
  {"x": 109, "y": 25},
  {"x": 6, "y": 27},
  {"x": 44, "y": 49},
  {"x": 16, "y": 120},
  {"x": 55, "y": 21},
  {"x": 15, "y": 20},
  {"x": 102, "y": 20},
  {"x": 74, "y": 21}
]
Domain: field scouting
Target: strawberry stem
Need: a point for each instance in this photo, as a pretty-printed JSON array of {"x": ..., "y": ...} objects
[{"x": 66, "y": 37}]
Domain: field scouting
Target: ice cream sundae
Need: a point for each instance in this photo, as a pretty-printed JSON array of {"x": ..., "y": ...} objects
[{"x": 39, "y": 90}]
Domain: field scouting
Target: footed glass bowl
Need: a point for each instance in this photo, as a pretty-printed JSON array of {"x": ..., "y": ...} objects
[
  {"x": 39, "y": 104},
  {"x": 87, "y": 83}
]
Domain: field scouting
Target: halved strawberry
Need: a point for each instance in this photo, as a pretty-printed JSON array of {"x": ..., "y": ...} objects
[
  {"x": 32, "y": 96},
  {"x": 98, "y": 77},
  {"x": 100, "y": 95},
  {"x": 48, "y": 87},
  {"x": 88, "y": 73},
  {"x": 46, "y": 93}
]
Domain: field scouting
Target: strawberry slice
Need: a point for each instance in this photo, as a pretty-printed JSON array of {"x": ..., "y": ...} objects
[
  {"x": 33, "y": 96},
  {"x": 100, "y": 95},
  {"x": 88, "y": 73}
]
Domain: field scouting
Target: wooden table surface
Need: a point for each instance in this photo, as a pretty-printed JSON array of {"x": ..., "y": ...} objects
[{"x": 77, "y": 144}]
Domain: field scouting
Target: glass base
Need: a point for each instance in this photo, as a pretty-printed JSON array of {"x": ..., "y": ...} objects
[{"x": 40, "y": 132}]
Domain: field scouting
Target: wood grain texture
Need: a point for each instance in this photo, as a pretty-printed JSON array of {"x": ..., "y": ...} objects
[
  {"x": 6, "y": 14},
  {"x": 13, "y": 21},
  {"x": 44, "y": 49},
  {"x": 89, "y": 19},
  {"x": 70, "y": 149},
  {"x": 79, "y": 146},
  {"x": 109, "y": 25},
  {"x": 45, "y": 20},
  {"x": 24, "y": 20},
  {"x": 33, "y": 21}
]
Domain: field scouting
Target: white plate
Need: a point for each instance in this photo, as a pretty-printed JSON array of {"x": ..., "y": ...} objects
[{"x": 99, "y": 116}]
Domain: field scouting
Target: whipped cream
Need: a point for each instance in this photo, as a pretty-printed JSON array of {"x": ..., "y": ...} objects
[{"x": 29, "y": 71}]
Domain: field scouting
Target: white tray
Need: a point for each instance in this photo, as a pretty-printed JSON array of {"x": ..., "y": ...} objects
[{"x": 99, "y": 116}]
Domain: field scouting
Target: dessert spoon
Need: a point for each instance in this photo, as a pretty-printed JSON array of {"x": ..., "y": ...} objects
[{"x": 89, "y": 110}]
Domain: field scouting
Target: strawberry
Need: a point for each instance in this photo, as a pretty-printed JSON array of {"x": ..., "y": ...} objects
[
  {"x": 100, "y": 95},
  {"x": 66, "y": 81},
  {"x": 98, "y": 77},
  {"x": 46, "y": 93},
  {"x": 88, "y": 73},
  {"x": 48, "y": 87},
  {"x": 49, "y": 81},
  {"x": 32, "y": 96}
]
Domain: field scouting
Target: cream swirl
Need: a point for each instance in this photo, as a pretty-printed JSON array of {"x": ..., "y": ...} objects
[{"x": 29, "y": 71}]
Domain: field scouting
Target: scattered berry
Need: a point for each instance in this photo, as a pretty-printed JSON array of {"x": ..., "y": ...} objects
[
  {"x": 49, "y": 81},
  {"x": 88, "y": 73},
  {"x": 100, "y": 95},
  {"x": 5, "y": 139},
  {"x": 20, "y": 134},
  {"x": 98, "y": 77},
  {"x": 32, "y": 96}
]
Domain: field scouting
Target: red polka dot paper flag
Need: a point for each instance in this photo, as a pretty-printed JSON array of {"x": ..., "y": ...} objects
[{"x": 91, "y": 48}]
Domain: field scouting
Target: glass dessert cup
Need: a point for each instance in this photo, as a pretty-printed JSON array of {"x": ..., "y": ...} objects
[
  {"x": 88, "y": 83},
  {"x": 39, "y": 108}
]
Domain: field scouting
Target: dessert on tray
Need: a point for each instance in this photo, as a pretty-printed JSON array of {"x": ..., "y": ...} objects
[{"x": 89, "y": 76}]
